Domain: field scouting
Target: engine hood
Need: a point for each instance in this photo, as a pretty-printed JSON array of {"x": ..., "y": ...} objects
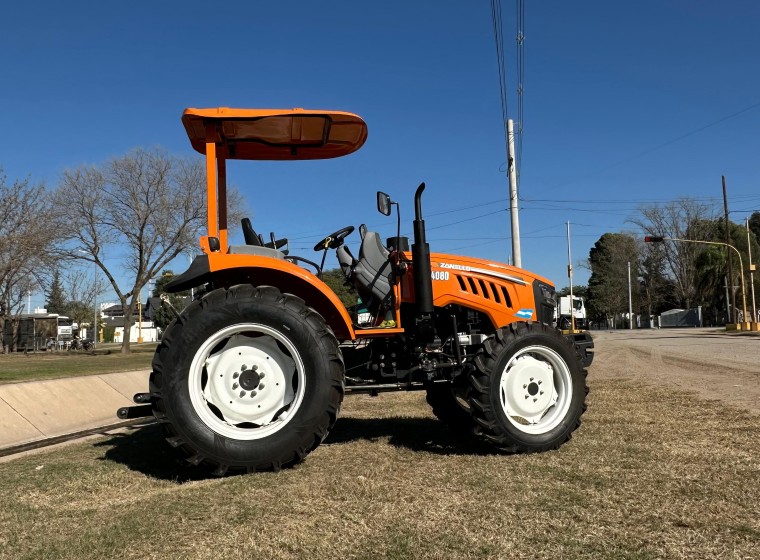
[{"x": 443, "y": 261}]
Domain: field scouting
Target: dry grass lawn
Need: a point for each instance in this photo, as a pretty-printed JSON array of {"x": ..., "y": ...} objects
[
  {"x": 18, "y": 366},
  {"x": 652, "y": 473}
]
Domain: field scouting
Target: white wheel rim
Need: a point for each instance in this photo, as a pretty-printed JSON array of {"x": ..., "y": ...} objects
[
  {"x": 246, "y": 381},
  {"x": 535, "y": 390}
]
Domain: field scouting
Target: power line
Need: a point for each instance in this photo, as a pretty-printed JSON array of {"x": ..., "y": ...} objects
[
  {"x": 520, "y": 38},
  {"x": 658, "y": 146},
  {"x": 469, "y": 219},
  {"x": 588, "y": 202},
  {"x": 552, "y": 204},
  {"x": 499, "y": 40}
]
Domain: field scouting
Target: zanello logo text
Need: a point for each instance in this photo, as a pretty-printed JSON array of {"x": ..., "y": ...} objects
[{"x": 455, "y": 266}]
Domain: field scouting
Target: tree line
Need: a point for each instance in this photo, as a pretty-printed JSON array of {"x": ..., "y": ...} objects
[
  {"x": 129, "y": 217},
  {"x": 673, "y": 274}
]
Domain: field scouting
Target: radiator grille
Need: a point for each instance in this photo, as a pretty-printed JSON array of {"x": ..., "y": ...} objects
[{"x": 484, "y": 289}]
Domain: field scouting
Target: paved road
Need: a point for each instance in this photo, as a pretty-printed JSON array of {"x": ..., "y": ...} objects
[{"x": 713, "y": 363}]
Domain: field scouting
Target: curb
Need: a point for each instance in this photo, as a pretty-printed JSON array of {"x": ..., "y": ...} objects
[{"x": 35, "y": 412}]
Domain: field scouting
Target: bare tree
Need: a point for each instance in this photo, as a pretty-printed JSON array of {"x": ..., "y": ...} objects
[
  {"x": 81, "y": 291},
  {"x": 146, "y": 206},
  {"x": 26, "y": 239},
  {"x": 678, "y": 219}
]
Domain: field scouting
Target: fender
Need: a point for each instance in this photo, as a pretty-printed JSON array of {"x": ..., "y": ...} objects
[{"x": 226, "y": 270}]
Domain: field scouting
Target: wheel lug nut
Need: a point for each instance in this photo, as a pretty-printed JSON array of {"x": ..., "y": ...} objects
[
  {"x": 254, "y": 367},
  {"x": 243, "y": 367},
  {"x": 525, "y": 386},
  {"x": 531, "y": 379},
  {"x": 534, "y": 400},
  {"x": 526, "y": 396},
  {"x": 540, "y": 382},
  {"x": 234, "y": 385},
  {"x": 235, "y": 375},
  {"x": 253, "y": 394},
  {"x": 261, "y": 375},
  {"x": 541, "y": 393},
  {"x": 242, "y": 394},
  {"x": 261, "y": 386}
]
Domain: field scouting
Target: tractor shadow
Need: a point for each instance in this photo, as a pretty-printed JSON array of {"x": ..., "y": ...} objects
[
  {"x": 416, "y": 434},
  {"x": 143, "y": 449}
]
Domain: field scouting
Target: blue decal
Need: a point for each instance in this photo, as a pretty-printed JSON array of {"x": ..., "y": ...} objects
[{"x": 524, "y": 313}]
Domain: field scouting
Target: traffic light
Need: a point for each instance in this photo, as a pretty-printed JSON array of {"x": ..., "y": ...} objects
[{"x": 652, "y": 239}]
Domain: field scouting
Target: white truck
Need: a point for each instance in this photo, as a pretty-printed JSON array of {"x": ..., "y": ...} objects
[{"x": 562, "y": 313}]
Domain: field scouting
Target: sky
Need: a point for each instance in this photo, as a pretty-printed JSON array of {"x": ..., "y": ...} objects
[{"x": 625, "y": 104}]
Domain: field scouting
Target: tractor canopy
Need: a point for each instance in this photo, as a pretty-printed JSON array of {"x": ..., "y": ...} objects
[{"x": 274, "y": 134}]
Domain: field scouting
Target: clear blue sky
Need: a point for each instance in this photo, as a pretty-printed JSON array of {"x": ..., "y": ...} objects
[{"x": 608, "y": 86}]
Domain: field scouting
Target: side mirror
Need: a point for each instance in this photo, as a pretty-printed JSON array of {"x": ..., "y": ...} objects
[{"x": 383, "y": 203}]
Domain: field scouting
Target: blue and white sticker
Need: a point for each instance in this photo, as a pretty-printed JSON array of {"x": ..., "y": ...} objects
[{"x": 524, "y": 313}]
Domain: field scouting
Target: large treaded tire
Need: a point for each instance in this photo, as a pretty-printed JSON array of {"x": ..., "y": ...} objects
[
  {"x": 262, "y": 323},
  {"x": 512, "y": 369},
  {"x": 445, "y": 406}
]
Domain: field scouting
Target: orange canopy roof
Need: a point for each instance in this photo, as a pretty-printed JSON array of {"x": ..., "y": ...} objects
[{"x": 275, "y": 134}]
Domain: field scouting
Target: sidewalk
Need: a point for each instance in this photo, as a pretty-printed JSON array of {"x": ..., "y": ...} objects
[{"x": 38, "y": 410}]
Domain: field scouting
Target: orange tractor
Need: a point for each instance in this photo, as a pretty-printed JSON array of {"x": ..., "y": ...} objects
[{"x": 251, "y": 375}]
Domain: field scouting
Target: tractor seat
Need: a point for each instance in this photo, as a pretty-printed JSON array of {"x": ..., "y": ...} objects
[
  {"x": 254, "y": 250},
  {"x": 372, "y": 273},
  {"x": 254, "y": 243}
]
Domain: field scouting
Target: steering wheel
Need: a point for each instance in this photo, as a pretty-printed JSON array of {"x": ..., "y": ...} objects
[{"x": 334, "y": 240}]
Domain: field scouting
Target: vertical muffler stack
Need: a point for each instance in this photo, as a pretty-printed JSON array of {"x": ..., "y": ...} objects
[{"x": 423, "y": 283}]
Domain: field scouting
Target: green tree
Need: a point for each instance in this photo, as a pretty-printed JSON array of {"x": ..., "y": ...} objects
[
  {"x": 337, "y": 282},
  {"x": 55, "y": 299},
  {"x": 712, "y": 270},
  {"x": 608, "y": 283},
  {"x": 657, "y": 291},
  {"x": 711, "y": 266},
  {"x": 754, "y": 225},
  {"x": 163, "y": 316},
  {"x": 578, "y": 291}
]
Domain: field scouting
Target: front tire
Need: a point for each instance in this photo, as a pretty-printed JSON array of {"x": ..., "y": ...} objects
[
  {"x": 247, "y": 379},
  {"x": 528, "y": 389}
]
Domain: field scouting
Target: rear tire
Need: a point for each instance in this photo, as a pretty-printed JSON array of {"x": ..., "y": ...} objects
[
  {"x": 247, "y": 379},
  {"x": 528, "y": 389},
  {"x": 450, "y": 405}
]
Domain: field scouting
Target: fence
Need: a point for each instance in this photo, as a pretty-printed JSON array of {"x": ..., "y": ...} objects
[{"x": 682, "y": 318}]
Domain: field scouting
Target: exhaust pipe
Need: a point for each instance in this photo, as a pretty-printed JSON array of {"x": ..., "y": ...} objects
[{"x": 423, "y": 283}]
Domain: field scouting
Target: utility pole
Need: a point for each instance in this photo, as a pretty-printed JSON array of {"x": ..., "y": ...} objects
[
  {"x": 751, "y": 276},
  {"x": 512, "y": 166},
  {"x": 630, "y": 299},
  {"x": 570, "y": 279},
  {"x": 139, "y": 319},
  {"x": 728, "y": 242},
  {"x": 95, "y": 306},
  {"x": 729, "y": 309}
]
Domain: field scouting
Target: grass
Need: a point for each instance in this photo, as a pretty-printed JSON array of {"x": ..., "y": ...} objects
[
  {"x": 18, "y": 366},
  {"x": 652, "y": 473}
]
